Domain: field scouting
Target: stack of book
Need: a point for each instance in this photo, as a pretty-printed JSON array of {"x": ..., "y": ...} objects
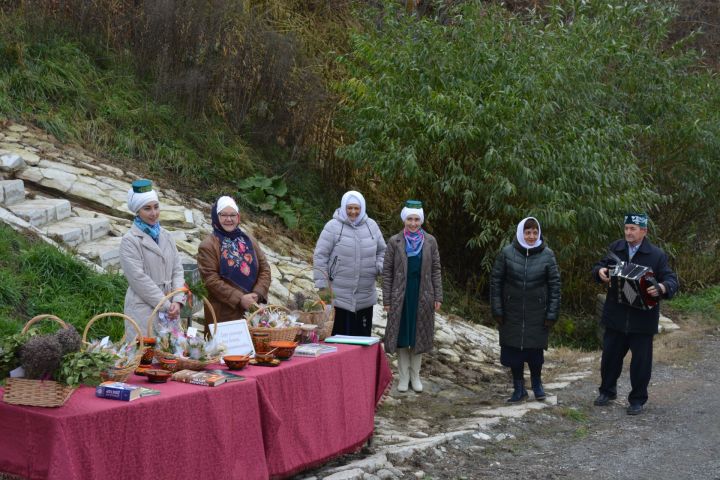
[
  {"x": 123, "y": 391},
  {"x": 313, "y": 349}
]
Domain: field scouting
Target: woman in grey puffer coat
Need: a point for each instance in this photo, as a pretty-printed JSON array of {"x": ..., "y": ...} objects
[
  {"x": 525, "y": 300},
  {"x": 350, "y": 252}
]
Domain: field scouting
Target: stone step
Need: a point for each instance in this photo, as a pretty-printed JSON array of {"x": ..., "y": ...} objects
[
  {"x": 42, "y": 211},
  {"x": 11, "y": 192},
  {"x": 76, "y": 230},
  {"x": 105, "y": 252}
]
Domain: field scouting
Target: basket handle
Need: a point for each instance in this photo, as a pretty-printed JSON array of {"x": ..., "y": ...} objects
[
  {"x": 153, "y": 315},
  {"x": 121, "y": 315},
  {"x": 263, "y": 308},
  {"x": 39, "y": 318},
  {"x": 311, "y": 268}
]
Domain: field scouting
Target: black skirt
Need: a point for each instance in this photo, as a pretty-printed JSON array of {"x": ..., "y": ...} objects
[{"x": 513, "y": 357}]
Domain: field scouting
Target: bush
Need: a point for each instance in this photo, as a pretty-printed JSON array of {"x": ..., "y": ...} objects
[{"x": 574, "y": 115}]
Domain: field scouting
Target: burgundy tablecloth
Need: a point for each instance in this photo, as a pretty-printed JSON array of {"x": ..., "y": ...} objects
[
  {"x": 327, "y": 405},
  {"x": 279, "y": 421},
  {"x": 187, "y": 432}
]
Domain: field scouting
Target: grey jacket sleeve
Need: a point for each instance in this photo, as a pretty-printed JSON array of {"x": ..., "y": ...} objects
[
  {"x": 381, "y": 247},
  {"x": 178, "y": 274},
  {"x": 321, "y": 256}
]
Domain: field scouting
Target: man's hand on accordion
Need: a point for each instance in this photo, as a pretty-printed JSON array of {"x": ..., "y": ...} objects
[
  {"x": 653, "y": 292},
  {"x": 604, "y": 274}
]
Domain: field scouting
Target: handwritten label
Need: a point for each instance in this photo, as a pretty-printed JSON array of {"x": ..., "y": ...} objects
[
  {"x": 104, "y": 341},
  {"x": 192, "y": 332}
]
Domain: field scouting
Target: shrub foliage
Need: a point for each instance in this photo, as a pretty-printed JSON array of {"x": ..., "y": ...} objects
[{"x": 574, "y": 114}]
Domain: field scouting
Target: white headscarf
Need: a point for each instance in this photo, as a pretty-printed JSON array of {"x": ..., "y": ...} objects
[
  {"x": 406, "y": 212},
  {"x": 224, "y": 202},
  {"x": 352, "y": 198},
  {"x": 135, "y": 201},
  {"x": 521, "y": 237}
]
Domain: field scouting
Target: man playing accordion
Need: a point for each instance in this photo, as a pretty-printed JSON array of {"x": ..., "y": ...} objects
[{"x": 628, "y": 327}]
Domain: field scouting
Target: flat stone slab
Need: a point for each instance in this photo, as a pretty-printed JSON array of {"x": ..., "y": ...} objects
[
  {"x": 518, "y": 410},
  {"x": 11, "y": 192},
  {"x": 42, "y": 211},
  {"x": 9, "y": 162},
  {"x": 105, "y": 252},
  {"x": 76, "y": 230}
]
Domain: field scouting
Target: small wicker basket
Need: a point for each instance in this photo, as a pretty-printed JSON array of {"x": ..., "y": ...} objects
[
  {"x": 37, "y": 393},
  {"x": 183, "y": 362},
  {"x": 274, "y": 334},
  {"x": 325, "y": 319},
  {"x": 119, "y": 373}
]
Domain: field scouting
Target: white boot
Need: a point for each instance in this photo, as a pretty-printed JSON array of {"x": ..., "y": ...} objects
[
  {"x": 404, "y": 369},
  {"x": 415, "y": 362}
]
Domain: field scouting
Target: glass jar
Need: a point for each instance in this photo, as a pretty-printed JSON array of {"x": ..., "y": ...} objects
[{"x": 309, "y": 333}]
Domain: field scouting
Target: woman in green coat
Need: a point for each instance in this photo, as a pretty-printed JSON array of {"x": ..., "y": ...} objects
[
  {"x": 525, "y": 300},
  {"x": 412, "y": 293}
]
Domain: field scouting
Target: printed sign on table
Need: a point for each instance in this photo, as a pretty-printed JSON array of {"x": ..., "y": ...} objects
[{"x": 236, "y": 336}]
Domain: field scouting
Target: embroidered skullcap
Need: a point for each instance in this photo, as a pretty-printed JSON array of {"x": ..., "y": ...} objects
[
  {"x": 140, "y": 194},
  {"x": 413, "y": 207}
]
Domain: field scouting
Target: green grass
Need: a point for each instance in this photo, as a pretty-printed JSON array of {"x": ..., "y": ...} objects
[
  {"x": 36, "y": 278},
  {"x": 94, "y": 99},
  {"x": 705, "y": 303}
]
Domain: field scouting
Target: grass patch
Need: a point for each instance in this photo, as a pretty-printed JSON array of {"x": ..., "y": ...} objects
[
  {"x": 574, "y": 414},
  {"x": 93, "y": 98},
  {"x": 36, "y": 278},
  {"x": 705, "y": 303}
]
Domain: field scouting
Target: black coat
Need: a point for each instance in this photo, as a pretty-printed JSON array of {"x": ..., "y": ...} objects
[
  {"x": 525, "y": 292},
  {"x": 625, "y": 318}
]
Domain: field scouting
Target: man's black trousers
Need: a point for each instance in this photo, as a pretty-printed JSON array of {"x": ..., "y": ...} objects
[{"x": 615, "y": 346}]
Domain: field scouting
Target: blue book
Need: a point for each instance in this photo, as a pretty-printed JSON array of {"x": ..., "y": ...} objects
[{"x": 118, "y": 391}]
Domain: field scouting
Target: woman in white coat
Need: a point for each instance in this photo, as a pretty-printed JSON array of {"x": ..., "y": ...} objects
[
  {"x": 350, "y": 253},
  {"x": 150, "y": 260}
]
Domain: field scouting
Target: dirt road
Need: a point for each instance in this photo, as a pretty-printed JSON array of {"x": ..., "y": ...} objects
[{"x": 677, "y": 437}]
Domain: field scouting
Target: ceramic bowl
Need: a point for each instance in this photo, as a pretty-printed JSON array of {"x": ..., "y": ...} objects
[
  {"x": 158, "y": 376},
  {"x": 171, "y": 365},
  {"x": 283, "y": 349},
  {"x": 236, "y": 362},
  {"x": 267, "y": 357}
]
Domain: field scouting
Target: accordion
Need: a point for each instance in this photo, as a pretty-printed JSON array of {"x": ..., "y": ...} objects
[{"x": 631, "y": 282}]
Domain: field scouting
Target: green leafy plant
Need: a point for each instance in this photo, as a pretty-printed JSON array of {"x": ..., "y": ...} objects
[
  {"x": 10, "y": 350},
  {"x": 268, "y": 195},
  {"x": 84, "y": 368}
]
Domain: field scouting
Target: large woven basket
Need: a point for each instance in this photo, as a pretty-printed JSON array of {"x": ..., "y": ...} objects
[
  {"x": 325, "y": 319},
  {"x": 122, "y": 372},
  {"x": 274, "y": 334},
  {"x": 37, "y": 393},
  {"x": 183, "y": 362}
]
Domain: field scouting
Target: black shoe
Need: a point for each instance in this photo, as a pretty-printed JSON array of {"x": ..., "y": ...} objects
[
  {"x": 603, "y": 400},
  {"x": 537, "y": 388},
  {"x": 634, "y": 409},
  {"x": 519, "y": 392}
]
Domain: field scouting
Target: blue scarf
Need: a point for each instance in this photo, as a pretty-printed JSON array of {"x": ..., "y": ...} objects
[
  {"x": 238, "y": 261},
  {"x": 413, "y": 242},
  {"x": 152, "y": 230}
]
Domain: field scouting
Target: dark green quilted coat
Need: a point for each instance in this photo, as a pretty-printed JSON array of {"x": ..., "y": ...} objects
[{"x": 525, "y": 292}]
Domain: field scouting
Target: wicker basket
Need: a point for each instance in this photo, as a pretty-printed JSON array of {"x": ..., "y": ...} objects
[
  {"x": 274, "y": 334},
  {"x": 121, "y": 373},
  {"x": 183, "y": 363},
  {"x": 37, "y": 393},
  {"x": 325, "y": 320}
]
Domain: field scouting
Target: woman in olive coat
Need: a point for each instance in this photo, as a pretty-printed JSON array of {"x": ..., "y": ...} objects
[
  {"x": 412, "y": 293},
  {"x": 525, "y": 300}
]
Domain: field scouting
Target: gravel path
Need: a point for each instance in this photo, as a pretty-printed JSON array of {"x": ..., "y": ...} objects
[{"x": 677, "y": 437}]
